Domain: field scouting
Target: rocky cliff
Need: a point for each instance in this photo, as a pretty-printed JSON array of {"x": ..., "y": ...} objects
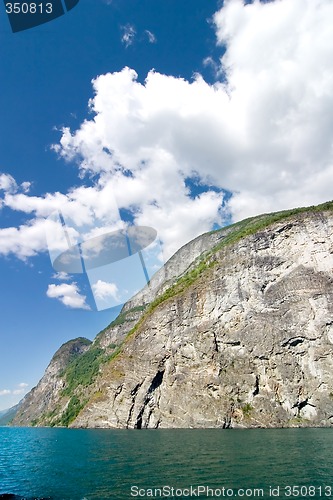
[
  {"x": 6, "y": 416},
  {"x": 45, "y": 399},
  {"x": 236, "y": 331}
]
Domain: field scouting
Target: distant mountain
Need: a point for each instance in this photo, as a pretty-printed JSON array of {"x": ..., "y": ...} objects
[
  {"x": 45, "y": 395},
  {"x": 235, "y": 331},
  {"x": 7, "y": 415}
]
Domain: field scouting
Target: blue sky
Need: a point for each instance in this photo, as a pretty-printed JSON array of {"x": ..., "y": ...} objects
[
  {"x": 201, "y": 112},
  {"x": 46, "y": 75}
]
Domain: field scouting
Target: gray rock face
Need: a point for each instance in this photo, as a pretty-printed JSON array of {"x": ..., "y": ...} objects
[
  {"x": 45, "y": 404},
  {"x": 248, "y": 344},
  {"x": 176, "y": 266},
  {"x": 6, "y": 416},
  {"x": 46, "y": 396}
]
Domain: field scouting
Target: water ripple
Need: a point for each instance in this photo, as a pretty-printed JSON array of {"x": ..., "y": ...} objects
[{"x": 65, "y": 464}]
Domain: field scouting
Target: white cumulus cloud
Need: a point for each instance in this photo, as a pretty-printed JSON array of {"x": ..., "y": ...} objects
[
  {"x": 24, "y": 241},
  {"x": 21, "y": 389},
  {"x": 7, "y": 183},
  {"x": 5, "y": 392},
  {"x": 23, "y": 385},
  {"x": 104, "y": 290},
  {"x": 278, "y": 68},
  {"x": 61, "y": 276},
  {"x": 263, "y": 131},
  {"x": 68, "y": 294}
]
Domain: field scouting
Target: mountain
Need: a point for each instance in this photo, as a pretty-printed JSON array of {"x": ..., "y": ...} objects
[
  {"x": 44, "y": 398},
  {"x": 235, "y": 331},
  {"x": 7, "y": 415}
]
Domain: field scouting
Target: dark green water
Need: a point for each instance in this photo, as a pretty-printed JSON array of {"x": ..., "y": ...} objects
[{"x": 100, "y": 464}]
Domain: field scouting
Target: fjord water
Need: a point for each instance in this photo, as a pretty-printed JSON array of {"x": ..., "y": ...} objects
[{"x": 68, "y": 464}]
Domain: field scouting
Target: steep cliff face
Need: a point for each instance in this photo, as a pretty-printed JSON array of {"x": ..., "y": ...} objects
[
  {"x": 45, "y": 399},
  {"x": 239, "y": 335},
  {"x": 69, "y": 381},
  {"x": 6, "y": 416}
]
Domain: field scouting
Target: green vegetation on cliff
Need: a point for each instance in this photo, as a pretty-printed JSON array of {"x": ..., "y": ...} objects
[
  {"x": 82, "y": 371},
  {"x": 234, "y": 233},
  {"x": 79, "y": 375},
  {"x": 123, "y": 317},
  {"x": 71, "y": 350},
  {"x": 252, "y": 225},
  {"x": 73, "y": 409}
]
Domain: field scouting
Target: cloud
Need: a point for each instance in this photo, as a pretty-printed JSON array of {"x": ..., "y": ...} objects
[
  {"x": 61, "y": 276},
  {"x": 263, "y": 132},
  {"x": 22, "y": 388},
  {"x": 89, "y": 209},
  {"x": 25, "y": 241},
  {"x": 151, "y": 37},
  {"x": 103, "y": 290},
  {"x": 128, "y": 35},
  {"x": 23, "y": 385},
  {"x": 25, "y": 186},
  {"x": 138, "y": 121},
  {"x": 7, "y": 183},
  {"x": 19, "y": 391},
  {"x": 209, "y": 62},
  {"x": 278, "y": 71},
  {"x": 69, "y": 295}
]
